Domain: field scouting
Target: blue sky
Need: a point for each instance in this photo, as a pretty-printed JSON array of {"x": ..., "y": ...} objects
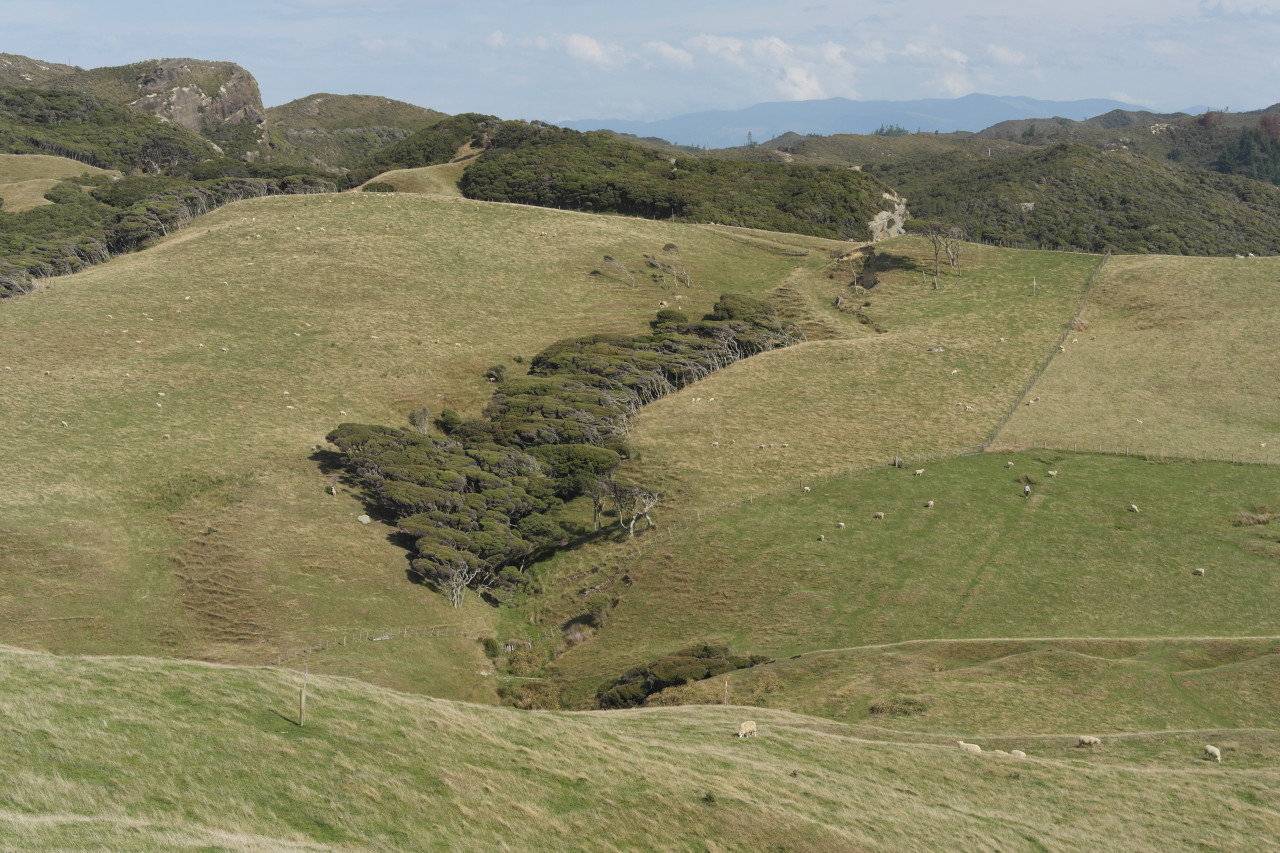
[{"x": 571, "y": 59}]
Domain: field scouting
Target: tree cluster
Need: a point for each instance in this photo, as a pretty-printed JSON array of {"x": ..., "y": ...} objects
[
  {"x": 695, "y": 663},
  {"x": 482, "y": 502},
  {"x": 540, "y": 164}
]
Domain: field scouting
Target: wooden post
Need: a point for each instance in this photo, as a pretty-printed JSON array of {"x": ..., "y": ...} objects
[
  {"x": 302, "y": 699},
  {"x": 726, "y": 691}
]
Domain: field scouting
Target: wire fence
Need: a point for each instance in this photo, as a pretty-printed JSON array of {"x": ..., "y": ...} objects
[
  {"x": 1071, "y": 326},
  {"x": 1141, "y": 451}
]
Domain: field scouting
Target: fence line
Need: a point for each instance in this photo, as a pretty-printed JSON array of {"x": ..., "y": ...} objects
[
  {"x": 1176, "y": 454},
  {"x": 1057, "y": 347}
]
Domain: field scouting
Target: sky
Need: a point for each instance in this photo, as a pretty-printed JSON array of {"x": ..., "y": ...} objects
[{"x": 562, "y": 60}]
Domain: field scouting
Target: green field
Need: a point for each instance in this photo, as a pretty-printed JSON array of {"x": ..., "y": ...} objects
[
  {"x": 202, "y": 757},
  {"x": 1070, "y": 561}
]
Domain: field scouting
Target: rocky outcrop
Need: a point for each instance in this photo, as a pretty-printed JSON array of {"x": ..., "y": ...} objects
[
  {"x": 889, "y": 223},
  {"x": 206, "y": 97}
]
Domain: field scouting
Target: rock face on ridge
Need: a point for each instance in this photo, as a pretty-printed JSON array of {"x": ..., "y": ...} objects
[
  {"x": 218, "y": 100},
  {"x": 200, "y": 96}
]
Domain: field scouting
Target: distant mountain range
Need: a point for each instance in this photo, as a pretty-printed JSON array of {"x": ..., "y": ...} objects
[{"x": 730, "y": 128}]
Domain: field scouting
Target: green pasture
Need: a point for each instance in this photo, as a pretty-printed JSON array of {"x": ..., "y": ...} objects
[
  {"x": 777, "y": 575},
  {"x": 130, "y": 754},
  {"x": 1000, "y": 688}
]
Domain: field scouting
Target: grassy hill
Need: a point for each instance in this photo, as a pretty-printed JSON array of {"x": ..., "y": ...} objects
[
  {"x": 1170, "y": 363},
  {"x": 25, "y": 178},
  {"x": 142, "y": 755},
  {"x": 339, "y": 131},
  {"x": 245, "y": 339}
]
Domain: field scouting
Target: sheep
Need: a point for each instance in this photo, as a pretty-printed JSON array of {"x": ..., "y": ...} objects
[
  {"x": 1198, "y": 571},
  {"x": 822, "y": 537},
  {"x": 879, "y": 515},
  {"x": 839, "y": 525},
  {"x": 715, "y": 444},
  {"x": 1212, "y": 752},
  {"x": 64, "y": 423},
  {"x": 1134, "y": 508},
  {"x": 1008, "y": 464},
  {"x": 918, "y": 472},
  {"x": 1052, "y": 473},
  {"x": 747, "y": 729},
  {"x": 1017, "y": 753},
  {"x": 806, "y": 489},
  {"x": 1089, "y": 741},
  {"x": 928, "y": 504},
  {"x": 999, "y": 752},
  {"x": 969, "y": 747}
]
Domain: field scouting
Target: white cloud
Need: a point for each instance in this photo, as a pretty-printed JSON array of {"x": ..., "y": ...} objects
[
  {"x": 719, "y": 47},
  {"x": 1002, "y": 55},
  {"x": 497, "y": 38},
  {"x": 586, "y": 49},
  {"x": 670, "y": 54},
  {"x": 800, "y": 84}
]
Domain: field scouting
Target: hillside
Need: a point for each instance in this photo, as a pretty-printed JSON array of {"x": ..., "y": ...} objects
[
  {"x": 220, "y": 541},
  {"x": 25, "y": 178},
  {"x": 1081, "y": 197},
  {"x": 210, "y": 756},
  {"x": 336, "y": 132}
]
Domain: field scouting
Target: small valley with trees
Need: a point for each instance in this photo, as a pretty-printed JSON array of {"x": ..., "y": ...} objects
[{"x": 381, "y": 479}]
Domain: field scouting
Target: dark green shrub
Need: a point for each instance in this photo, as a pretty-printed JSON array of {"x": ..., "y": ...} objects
[
  {"x": 378, "y": 187},
  {"x": 448, "y": 421}
]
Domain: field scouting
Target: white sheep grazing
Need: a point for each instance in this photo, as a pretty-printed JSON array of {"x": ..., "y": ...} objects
[
  {"x": 1053, "y": 473},
  {"x": 1008, "y": 464},
  {"x": 839, "y": 525},
  {"x": 1089, "y": 741},
  {"x": 1017, "y": 753},
  {"x": 928, "y": 504},
  {"x": 747, "y": 729},
  {"x": 822, "y": 537},
  {"x": 806, "y": 489},
  {"x": 1134, "y": 508},
  {"x": 879, "y": 515},
  {"x": 918, "y": 472},
  {"x": 969, "y": 747},
  {"x": 1212, "y": 752},
  {"x": 1198, "y": 571}
]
